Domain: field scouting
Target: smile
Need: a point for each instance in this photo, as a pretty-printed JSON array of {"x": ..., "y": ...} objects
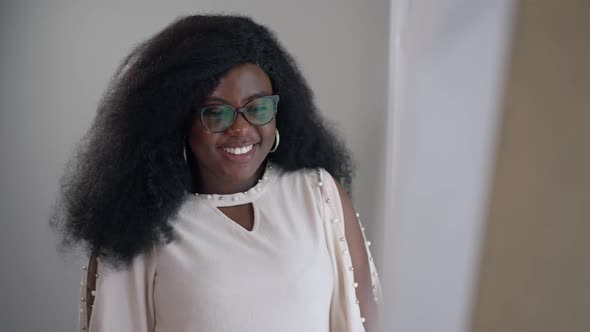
[{"x": 240, "y": 150}]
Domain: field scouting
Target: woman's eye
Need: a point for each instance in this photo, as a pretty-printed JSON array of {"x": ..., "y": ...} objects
[
  {"x": 214, "y": 111},
  {"x": 255, "y": 109}
]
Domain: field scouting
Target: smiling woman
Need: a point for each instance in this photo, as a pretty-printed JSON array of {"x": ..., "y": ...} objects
[
  {"x": 203, "y": 206},
  {"x": 230, "y": 157}
]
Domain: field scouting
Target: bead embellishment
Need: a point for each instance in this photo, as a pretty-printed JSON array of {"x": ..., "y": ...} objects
[
  {"x": 87, "y": 293},
  {"x": 234, "y": 197}
]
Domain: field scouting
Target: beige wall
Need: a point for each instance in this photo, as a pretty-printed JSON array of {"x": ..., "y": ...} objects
[{"x": 535, "y": 272}]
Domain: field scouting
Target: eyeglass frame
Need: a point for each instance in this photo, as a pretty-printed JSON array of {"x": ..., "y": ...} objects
[{"x": 237, "y": 111}]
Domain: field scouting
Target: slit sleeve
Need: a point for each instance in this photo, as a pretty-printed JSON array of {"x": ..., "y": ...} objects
[{"x": 118, "y": 299}]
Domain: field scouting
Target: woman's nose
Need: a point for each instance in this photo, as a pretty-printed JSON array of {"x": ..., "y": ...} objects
[{"x": 240, "y": 125}]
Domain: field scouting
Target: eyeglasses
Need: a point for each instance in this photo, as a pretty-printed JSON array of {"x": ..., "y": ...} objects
[{"x": 220, "y": 117}]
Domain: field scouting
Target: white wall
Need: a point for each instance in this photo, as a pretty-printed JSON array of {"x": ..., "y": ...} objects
[
  {"x": 57, "y": 57},
  {"x": 447, "y": 64}
]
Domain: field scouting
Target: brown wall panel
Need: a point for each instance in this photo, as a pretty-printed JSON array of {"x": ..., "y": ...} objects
[{"x": 535, "y": 269}]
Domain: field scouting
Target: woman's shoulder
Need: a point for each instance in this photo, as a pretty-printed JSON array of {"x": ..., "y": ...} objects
[
  {"x": 313, "y": 174},
  {"x": 311, "y": 181}
]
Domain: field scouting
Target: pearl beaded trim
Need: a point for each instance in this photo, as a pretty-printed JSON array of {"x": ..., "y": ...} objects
[{"x": 240, "y": 197}]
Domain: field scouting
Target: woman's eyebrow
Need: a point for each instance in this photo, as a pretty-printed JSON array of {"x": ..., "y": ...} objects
[
  {"x": 244, "y": 102},
  {"x": 254, "y": 96},
  {"x": 216, "y": 99}
]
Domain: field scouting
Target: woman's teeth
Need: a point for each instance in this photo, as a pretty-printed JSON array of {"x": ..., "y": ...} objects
[{"x": 242, "y": 150}]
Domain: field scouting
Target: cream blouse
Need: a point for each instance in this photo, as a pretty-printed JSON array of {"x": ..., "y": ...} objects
[{"x": 291, "y": 272}]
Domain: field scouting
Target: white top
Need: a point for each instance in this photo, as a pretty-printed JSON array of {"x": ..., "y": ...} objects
[{"x": 291, "y": 272}]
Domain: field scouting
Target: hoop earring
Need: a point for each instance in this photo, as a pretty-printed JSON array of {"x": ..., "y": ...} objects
[{"x": 275, "y": 146}]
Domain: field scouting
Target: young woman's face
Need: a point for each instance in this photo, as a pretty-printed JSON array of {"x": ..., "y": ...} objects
[{"x": 221, "y": 155}]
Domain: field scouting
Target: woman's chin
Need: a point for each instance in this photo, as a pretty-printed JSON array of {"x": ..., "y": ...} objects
[{"x": 243, "y": 172}]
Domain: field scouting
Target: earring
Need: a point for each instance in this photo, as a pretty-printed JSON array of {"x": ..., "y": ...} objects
[
  {"x": 275, "y": 146},
  {"x": 184, "y": 154}
]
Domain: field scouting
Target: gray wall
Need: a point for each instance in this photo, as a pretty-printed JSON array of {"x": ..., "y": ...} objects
[
  {"x": 57, "y": 57},
  {"x": 449, "y": 63}
]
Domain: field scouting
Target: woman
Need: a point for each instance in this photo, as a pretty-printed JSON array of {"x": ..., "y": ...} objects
[{"x": 207, "y": 207}]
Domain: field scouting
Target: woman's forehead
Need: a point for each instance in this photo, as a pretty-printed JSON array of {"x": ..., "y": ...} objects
[{"x": 242, "y": 82}]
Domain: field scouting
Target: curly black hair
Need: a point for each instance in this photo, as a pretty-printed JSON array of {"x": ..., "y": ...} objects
[{"x": 128, "y": 175}]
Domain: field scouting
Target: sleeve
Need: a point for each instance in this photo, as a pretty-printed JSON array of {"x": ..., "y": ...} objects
[
  {"x": 116, "y": 300},
  {"x": 345, "y": 313}
]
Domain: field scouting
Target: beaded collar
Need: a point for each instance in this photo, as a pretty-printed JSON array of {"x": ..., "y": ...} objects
[{"x": 240, "y": 198}]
